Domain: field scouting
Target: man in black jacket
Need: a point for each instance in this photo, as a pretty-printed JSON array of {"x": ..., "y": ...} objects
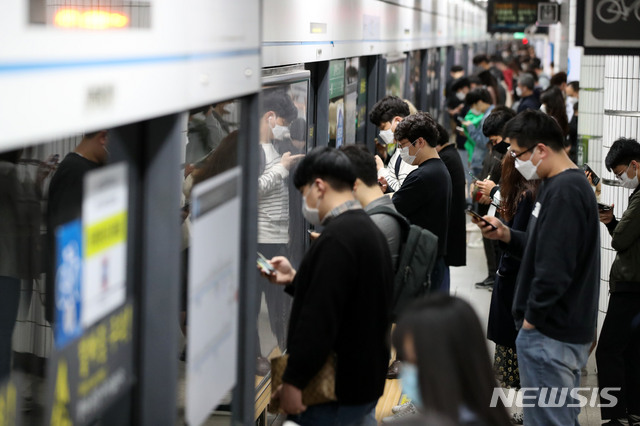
[
  {"x": 556, "y": 301},
  {"x": 618, "y": 353},
  {"x": 457, "y": 233},
  {"x": 341, "y": 298}
]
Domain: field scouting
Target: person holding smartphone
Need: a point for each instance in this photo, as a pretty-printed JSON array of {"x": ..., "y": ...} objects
[
  {"x": 556, "y": 297},
  {"x": 618, "y": 351}
]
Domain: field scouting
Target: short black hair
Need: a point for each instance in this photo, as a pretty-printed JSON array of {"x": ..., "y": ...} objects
[
  {"x": 496, "y": 58},
  {"x": 456, "y": 68},
  {"x": 364, "y": 164},
  {"x": 478, "y": 94},
  {"x": 278, "y": 101},
  {"x": 494, "y": 123},
  {"x": 622, "y": 152},
  {"x": 443, "y": 135},
  {"x": 386, "y": 108},
  {"x": 536, "y": 63},
  {"x": 558, "y": 78},
  {"x": 575, "y": 85},
  {"x": 328, "y": 164},
  {"x": 532, "y": 127},
  {"x": 460, "y": 83},
  {"x": 419, "y": 125},
  {"x": 478, "y": 59},
  {"x": 475, "y": 80}
]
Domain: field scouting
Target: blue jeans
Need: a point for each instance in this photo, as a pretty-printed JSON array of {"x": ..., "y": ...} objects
[
  {"x": 334, "y": 414},
  {"x": 548, "y": 365}
]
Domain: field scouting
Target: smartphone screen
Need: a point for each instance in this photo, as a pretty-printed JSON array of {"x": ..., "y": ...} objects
[
  {"x": 263, "y": 263},
  {"x": 594, "y": 177},
  {"x": 477, "y": 216}
]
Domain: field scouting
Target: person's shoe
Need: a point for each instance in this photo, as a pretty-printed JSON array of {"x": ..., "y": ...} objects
[
  {"x": 517, "y": 418},
  {"x": 408, "y": 412},
  {"x": 394, "y": 370},
  {"x": 634, "y": 420},
  {"x": 263, "y": 366},
  {"x": 487, "y": 284},
  {"x": 398, "y": 408}
]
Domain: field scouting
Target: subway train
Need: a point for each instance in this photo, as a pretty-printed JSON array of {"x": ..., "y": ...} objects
[{"x": 154, "y": 257}]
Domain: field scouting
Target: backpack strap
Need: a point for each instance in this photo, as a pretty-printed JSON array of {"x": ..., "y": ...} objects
[
  {"x": 398, "y": 164},
  {"x": 404, "y": 223}
]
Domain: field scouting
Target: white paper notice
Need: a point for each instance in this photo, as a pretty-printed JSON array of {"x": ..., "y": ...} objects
[
  {"x": 213, "y": 293},
  {"x": 104, "y": 225}
]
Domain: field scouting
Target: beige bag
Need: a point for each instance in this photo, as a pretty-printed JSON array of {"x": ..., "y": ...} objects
[{"x": 321, "y": 388}]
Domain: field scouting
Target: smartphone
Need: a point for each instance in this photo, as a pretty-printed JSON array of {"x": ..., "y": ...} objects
[
  {"x": 263, "y": 263},
  {"x": 477, "y": 216},
  {"x": 473, "y": 177},
  {"x": 603, "y": 207},
  {"x": 594, "y": 177},
  {"x": 460, "y": 129},
  {"x": 460, "y": 119}
]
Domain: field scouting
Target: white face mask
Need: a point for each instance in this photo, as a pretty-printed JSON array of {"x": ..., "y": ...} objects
[
  {"x": 518, "y": 91},
  {"x": 406, "y": 157},
  {"x": 460, "y": 96},
  {"x": 312, "y": 215},
  {"x": 527, "y": 169},
  {"x": 387, "y": 136},
  {"x": 627, "y": 182},
  {"x": 280, "y": 132},
  {"x": 543, "y": 108}
]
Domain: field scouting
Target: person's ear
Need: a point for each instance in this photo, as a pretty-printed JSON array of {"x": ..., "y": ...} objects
[
  {"x": 102, "y": 137},
  {"x": 321, "y": 185}
]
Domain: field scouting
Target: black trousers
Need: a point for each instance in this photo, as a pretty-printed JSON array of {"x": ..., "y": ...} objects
[
  {"x": 618, "y": 355},
  {"x": 491, "y": 248}
]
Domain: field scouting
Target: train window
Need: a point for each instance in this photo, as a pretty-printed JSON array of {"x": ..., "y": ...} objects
[
  {"x": 281, "y": 226},
  {"x": 396, "y": 76},
  {"x": 210, "y": 150},
  {"x": 362, "y": 119},
  {"x": 337, "y": 103},
  {"x": 351, "y": 100},
  {"x": 67, "y": 314},
  {"x": 415, "y": 66},
  {"x": 433, "y": 83}
]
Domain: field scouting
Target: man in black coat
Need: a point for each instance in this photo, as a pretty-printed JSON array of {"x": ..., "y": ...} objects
[{"x": 457, "y": 234}]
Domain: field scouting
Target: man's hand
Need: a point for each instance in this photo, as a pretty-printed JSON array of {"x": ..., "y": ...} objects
[
  {"x": 289, "y": 160},
  {"x": 484, "y": 200},
  {"x": 527, "y": 325},
  {"x": 606, "y": 216},
  {"x": 383, "y": 183},
  {"x": 485, "y": 186},
  {"x": 467, "y": 123},
  {"x": 284, "y": 271},
  {"x": 502, "y": 233},
  {"x": 379, "y": 163},
  {"x": 290, "y": 399}
]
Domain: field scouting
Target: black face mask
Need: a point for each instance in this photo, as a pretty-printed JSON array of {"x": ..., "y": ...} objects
[{"x": 501, "y": 147}]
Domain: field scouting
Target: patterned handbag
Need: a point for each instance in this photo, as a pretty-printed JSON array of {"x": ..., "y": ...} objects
[{"x": 321, "y": 388}]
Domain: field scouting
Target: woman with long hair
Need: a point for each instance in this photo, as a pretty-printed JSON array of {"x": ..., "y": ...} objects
[
  {"x": 517, "y": 197},
  {"x": 491, "y": 83},
  {"x": 553, "y": 104},
  {"x": 447, "y": 372}
]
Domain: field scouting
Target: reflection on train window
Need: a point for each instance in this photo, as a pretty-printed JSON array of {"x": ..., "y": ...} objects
[
  {"x": 41, "y": 198},
  {"x": 281, "y": 226},
  {"x": 336, "y": 102},
  {"x": 396, "y": 77},
  {"x": 433, "y": 83},
  {"x": 415, "y": 64},
  {"x": 351, "y": 100}
]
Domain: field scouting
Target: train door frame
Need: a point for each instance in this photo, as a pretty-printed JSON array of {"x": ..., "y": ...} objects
[
  {"x": 318, "y": 103},
  {"x": 374, "y": 66}
]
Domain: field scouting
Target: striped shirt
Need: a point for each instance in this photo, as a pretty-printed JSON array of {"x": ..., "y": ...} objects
[{"x": 273, "y": 199}]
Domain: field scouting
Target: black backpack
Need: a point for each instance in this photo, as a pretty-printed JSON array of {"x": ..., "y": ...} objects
[{"x": 418, "y": 252}]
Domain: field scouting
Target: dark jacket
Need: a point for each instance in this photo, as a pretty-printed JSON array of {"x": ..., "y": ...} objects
[
  {"x": 457, "y": 234},
  {"x": 625, "y": 270},
  {"x": 341, "y": 304},
  {"x": 501, "y": 328},
  {"x": 559, "y": 279},
  {"x": 530, "y": 102}
]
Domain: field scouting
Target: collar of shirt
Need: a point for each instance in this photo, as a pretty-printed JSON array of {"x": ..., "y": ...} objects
[
  {"x": 337, "y": 211},
  {"x": 382, "y": 201}
]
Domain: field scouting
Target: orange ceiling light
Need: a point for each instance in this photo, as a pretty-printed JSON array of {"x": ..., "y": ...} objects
[{"x": 89, "y": 19}]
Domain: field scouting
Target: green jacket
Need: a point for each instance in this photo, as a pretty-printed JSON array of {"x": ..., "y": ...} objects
[{"x": 625, "y": 270}]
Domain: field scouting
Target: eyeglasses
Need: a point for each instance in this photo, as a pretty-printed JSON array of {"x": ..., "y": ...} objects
[
  {"x": 514, "y": 155},
  {"x": 619, "y": 175}
]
